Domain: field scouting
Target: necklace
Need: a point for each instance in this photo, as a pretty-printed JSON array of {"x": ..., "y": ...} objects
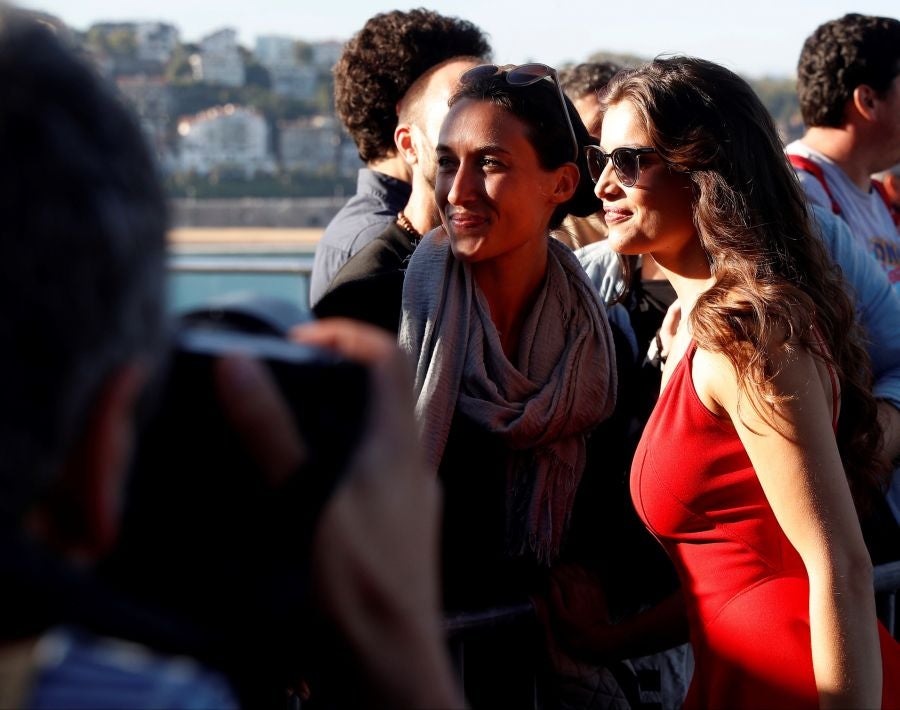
[{"x": 404, "y": 224}]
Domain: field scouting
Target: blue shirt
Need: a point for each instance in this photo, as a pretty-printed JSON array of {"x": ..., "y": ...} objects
[
  {"x": 375, "y": 205},
  {"x": 75, "y": 669},
  {"x": 877, "y": 303},
  {"x": 863, "y": 211},
  {"x": 604, "y": 269},
  {"x": 878, "y": 306}
]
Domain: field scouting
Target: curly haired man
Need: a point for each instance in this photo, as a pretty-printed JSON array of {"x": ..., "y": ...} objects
[
  {"x": 849, "y": 89},
  {"x": 848, "y": 81},
  {"x": 377, "y": 67}
]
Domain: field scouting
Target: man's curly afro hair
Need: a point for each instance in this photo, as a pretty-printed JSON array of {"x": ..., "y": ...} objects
[
  {"x": 839, "y": 56},
  {"x": 383, "y": 59}
]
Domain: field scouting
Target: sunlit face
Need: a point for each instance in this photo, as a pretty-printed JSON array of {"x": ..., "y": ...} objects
[
  {"x": 494, "y": 197},
  {"x": 653, "y": 216}
]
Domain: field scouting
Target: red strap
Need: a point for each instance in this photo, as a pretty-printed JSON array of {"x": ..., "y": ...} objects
[
  {"x": 806, "y": 165},
  {"x": 894, "y": 212}
]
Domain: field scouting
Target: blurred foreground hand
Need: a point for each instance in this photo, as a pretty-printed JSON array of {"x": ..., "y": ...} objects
[{"x": 375, "y": 551}]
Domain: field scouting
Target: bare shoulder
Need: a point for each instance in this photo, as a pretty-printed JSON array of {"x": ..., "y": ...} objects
[
  {"x": 715, "y": 380},
  {"x": 796, "y": 376}
]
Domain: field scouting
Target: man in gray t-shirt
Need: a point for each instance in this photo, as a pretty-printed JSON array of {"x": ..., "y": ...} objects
[
  {"x": 848, "y": 81},
  {"x": 863, "y": 210}
]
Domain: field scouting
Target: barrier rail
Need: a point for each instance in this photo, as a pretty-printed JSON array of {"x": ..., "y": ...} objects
[
  {"x": 464, "y": 629},
  {"x": 298, "y": 265},
  {"x": 887, "y": 585}
]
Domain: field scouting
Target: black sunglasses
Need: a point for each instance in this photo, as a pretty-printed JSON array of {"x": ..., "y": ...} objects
[
  {"x": 525, "y": 75},
  {"x": 626, "y": 162}
]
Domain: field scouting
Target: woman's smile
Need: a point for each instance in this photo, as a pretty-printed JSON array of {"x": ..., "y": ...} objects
[
  {"x": 615, "y": 215},
  {"x": 466, "y": 221},
  {"x": 493, "y": 194}
]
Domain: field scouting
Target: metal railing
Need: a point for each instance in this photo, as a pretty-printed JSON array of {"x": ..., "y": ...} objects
[
  {"x": 241, "y": 264},
  {"x": 887, "y": 585},
  {"x": 469, "y": 628}
]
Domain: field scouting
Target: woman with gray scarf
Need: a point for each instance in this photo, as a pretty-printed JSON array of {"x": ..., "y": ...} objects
[{"x": 515, "y": 360}]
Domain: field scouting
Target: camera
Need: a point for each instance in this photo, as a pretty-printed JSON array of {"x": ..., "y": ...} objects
[{"x": 205, "y": 537}]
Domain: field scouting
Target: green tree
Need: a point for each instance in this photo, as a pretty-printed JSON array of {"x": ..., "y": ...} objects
[
  {"x": 255, "y": 73},
  {"x": 303, "y": 52},
  {"x": 778, "y": 94},
  {"x": 122, "y": 43},
  {"x": 115, "y": 40},
  {"x": 179, "y": 67}
]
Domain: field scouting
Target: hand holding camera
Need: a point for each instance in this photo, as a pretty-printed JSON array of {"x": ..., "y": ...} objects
[
  {"x": 218, "y": 529},
  {"x": 374, "y": 546}
]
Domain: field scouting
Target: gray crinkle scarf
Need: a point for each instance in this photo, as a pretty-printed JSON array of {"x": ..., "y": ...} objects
[{"x": 563, "y": 385}]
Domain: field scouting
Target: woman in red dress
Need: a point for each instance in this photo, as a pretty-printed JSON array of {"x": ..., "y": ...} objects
[{"x": 765, "y": 432}]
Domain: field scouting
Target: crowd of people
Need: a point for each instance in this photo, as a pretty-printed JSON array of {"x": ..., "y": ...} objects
[{"x": 589, "y": 309}]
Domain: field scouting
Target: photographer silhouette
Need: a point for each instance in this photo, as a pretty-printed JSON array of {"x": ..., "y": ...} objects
[{"x": 81, "y": 291}]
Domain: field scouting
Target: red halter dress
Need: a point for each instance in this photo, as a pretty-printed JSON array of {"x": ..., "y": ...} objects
[{"x": 745, "y": 587}]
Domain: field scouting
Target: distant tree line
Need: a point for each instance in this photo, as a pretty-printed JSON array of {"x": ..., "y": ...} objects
[
  {"x": 225, "y": 184},
  {"x": 779, "y": 95},
  {"x": 190, "y": 96}
]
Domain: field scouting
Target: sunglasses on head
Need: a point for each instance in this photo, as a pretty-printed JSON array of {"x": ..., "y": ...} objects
[
  {"x": 626, "y": 162},
  {"x": 525, "y": 75}
]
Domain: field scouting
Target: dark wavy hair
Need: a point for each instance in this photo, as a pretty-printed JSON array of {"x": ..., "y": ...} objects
[
  {"x": 381, "y": 62},
  {"x": 841, "y": 55},
  {"x": 773, "y": 276},
  {"x": 587, "y": 78},
  {"x": 538, "y": 107}
]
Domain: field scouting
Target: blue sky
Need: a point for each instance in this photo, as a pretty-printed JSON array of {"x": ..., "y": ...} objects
[{"x": 755, "y": 37}]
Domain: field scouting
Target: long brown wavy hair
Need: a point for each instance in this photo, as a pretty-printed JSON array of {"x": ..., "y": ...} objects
[{"x": 775, "y": 285}]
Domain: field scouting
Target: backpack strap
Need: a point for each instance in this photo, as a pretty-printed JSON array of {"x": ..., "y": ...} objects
[
  {"x": 878, "y": 186},
  {"x": 800, "y": 162}
]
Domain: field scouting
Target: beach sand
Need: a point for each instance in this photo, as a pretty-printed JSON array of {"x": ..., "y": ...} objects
[{"x": 251, "y": 238}]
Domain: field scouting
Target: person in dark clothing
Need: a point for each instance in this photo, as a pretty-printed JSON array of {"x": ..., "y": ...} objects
[
  {"x": 376, "y": 69},
  {"x": 515, "y": 362},
  {"x": 370, "y": 284},
  {"x": 82, "y": 283}
]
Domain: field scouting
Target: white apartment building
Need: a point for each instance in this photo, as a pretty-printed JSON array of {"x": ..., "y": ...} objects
[
  {"x": 318, "y": 145},
  {"x": 151, "y": 100},
  {"x": 219, "y": 60},
  {"x": 310, "y": 144},
  {"x": 297, "y": 82},
  {"x": 225, "y": 137},
  {"x": 288, "y": 75},
  {"x": 275, "y": 50},
  {"x": 325, "y": 54},
  {"x": 156, "y": 41}
]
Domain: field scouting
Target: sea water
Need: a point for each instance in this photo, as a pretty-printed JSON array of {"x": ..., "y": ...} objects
[{"x": 196, "y": 279}]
